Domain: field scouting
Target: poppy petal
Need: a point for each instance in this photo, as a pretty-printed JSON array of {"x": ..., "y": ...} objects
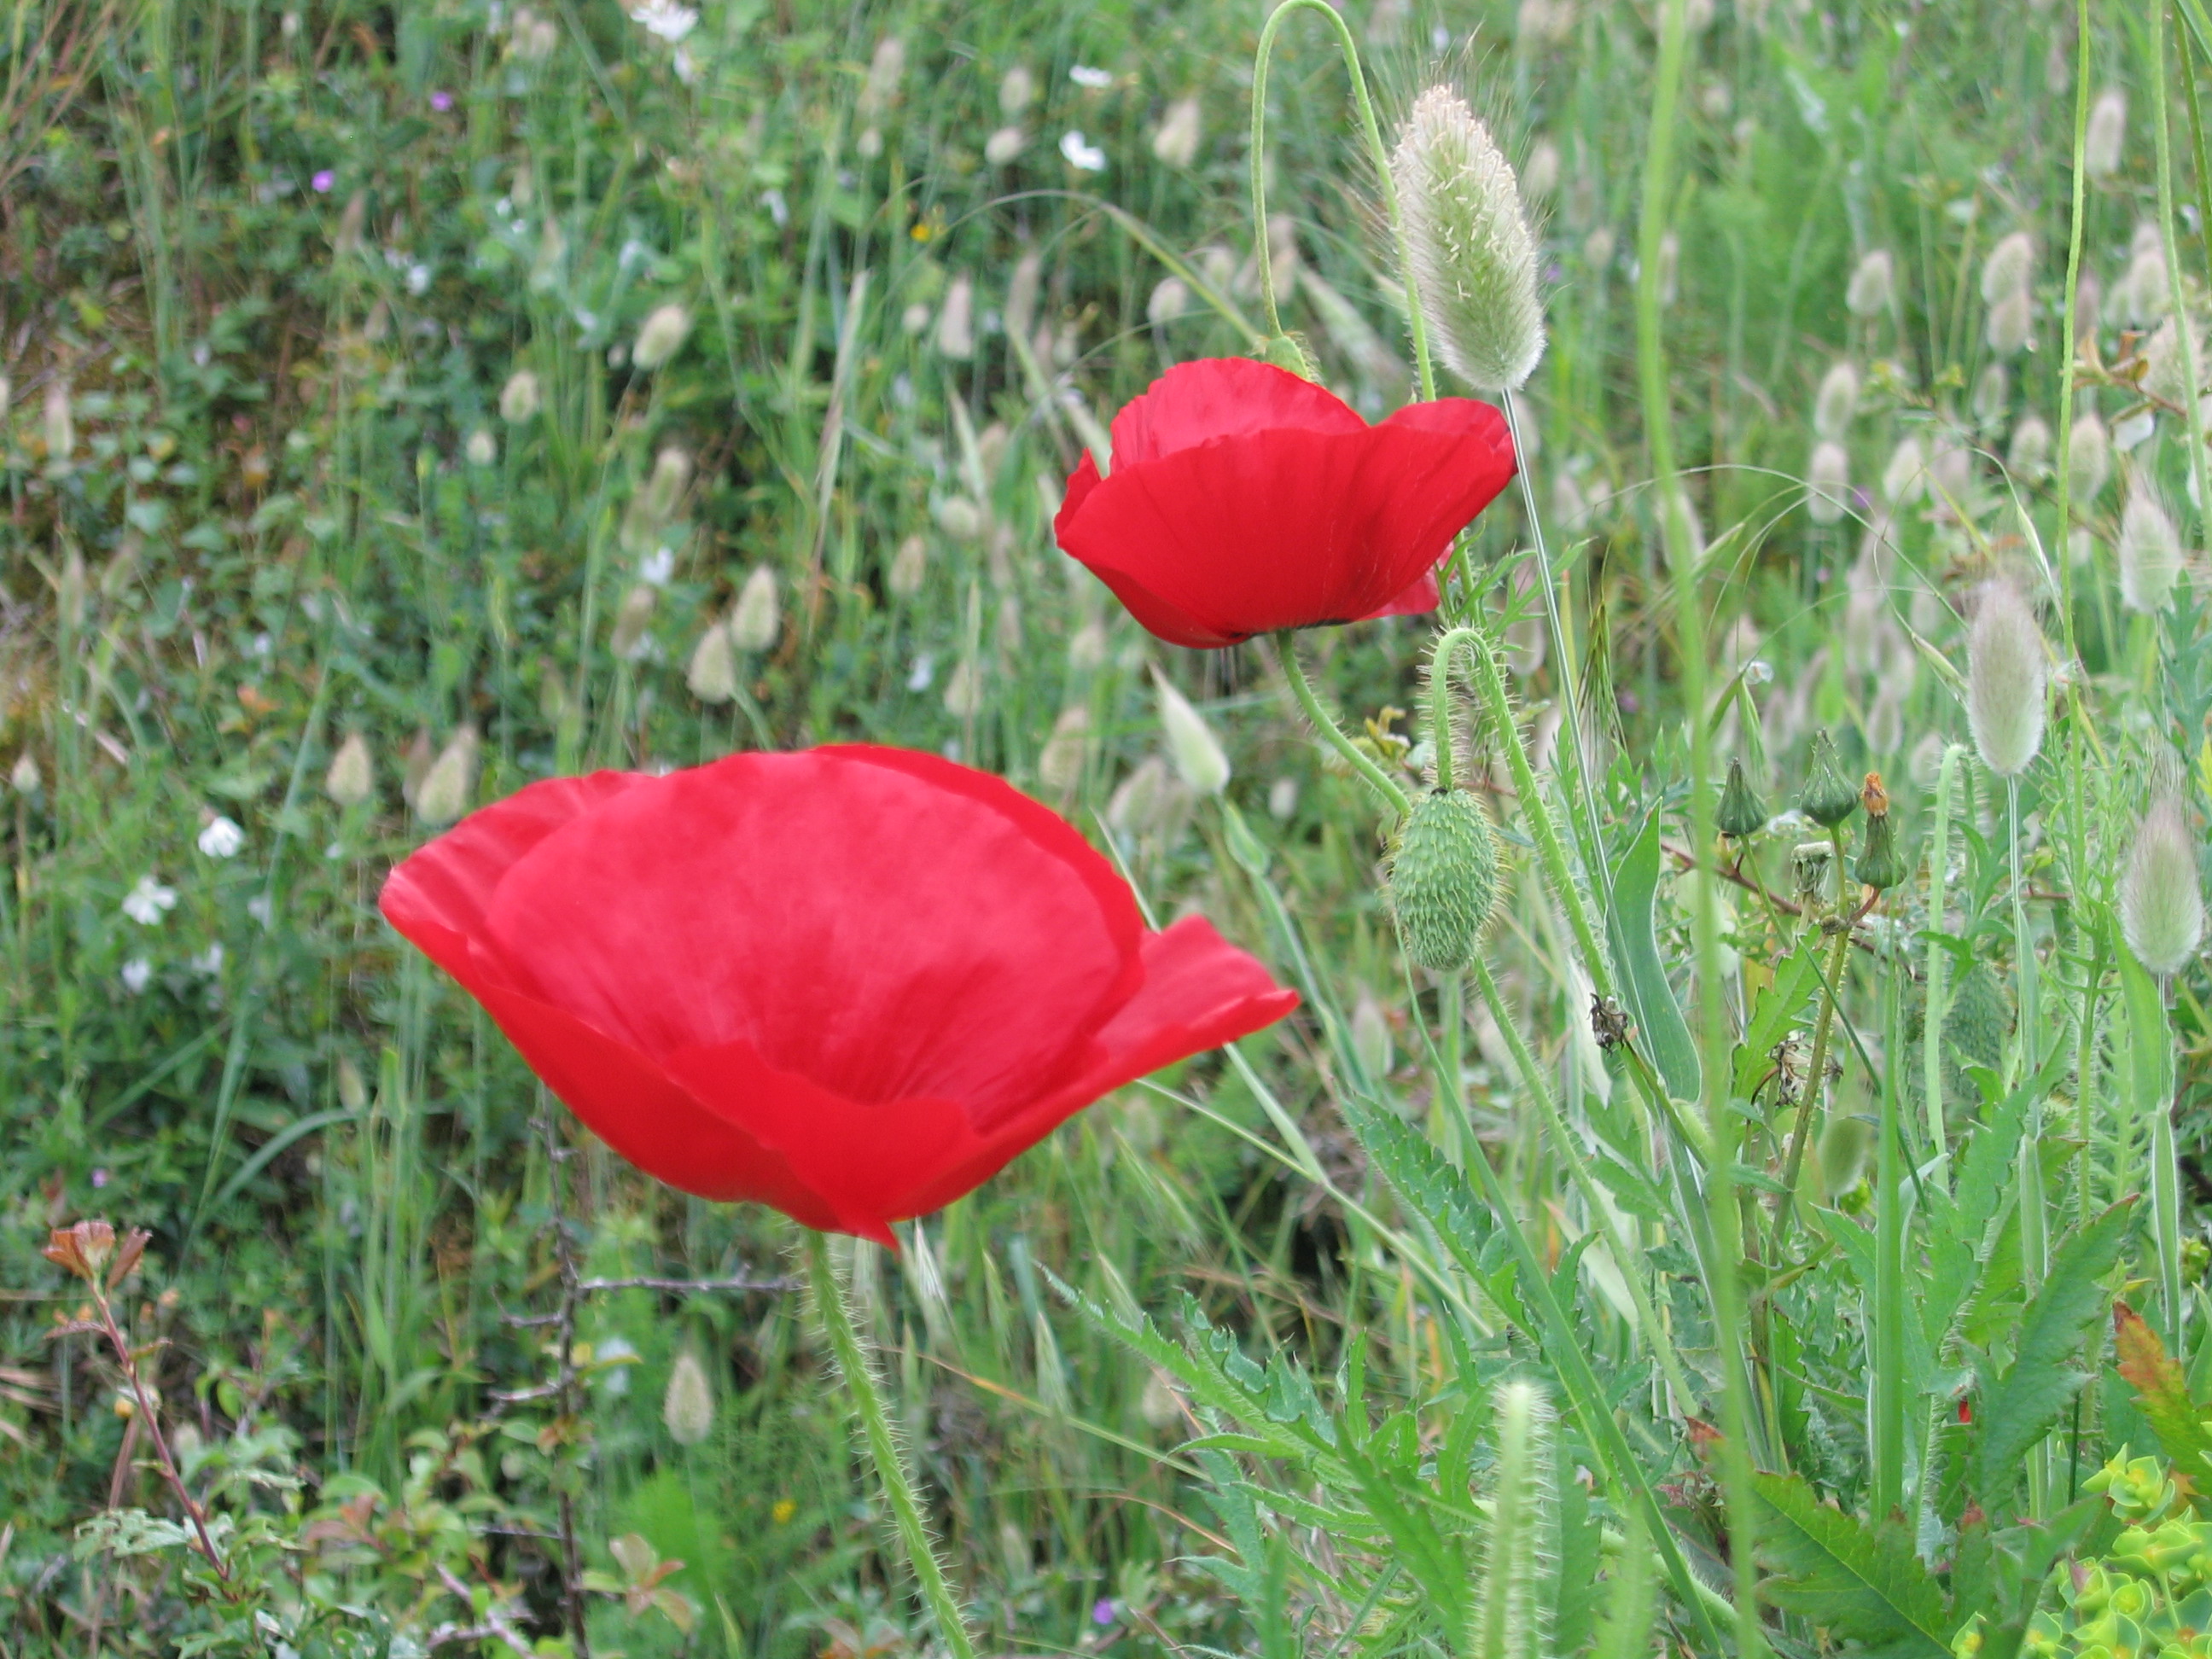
[
  {"x": 1290, "y": 529},
  {"x": 884, "y": 924},
  {"x": 1215, "y": 397}
]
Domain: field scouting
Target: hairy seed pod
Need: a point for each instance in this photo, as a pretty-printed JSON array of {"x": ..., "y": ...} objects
[
  {"x": 1828, "y": 798},
  {"x": 1871, "y": 285},
  {"x": 2161, "y": 906},
  {"x": 1474, "y": 260},
  {"x": 1741, "y": 813},
  {"x": 2007, "y": 673},
  {"x": 2149, "y": 550},
  {"x": 1443, "y": 880},
  {"x": 1837, "y": 401},
  {"x": 2107, "y": 133}
]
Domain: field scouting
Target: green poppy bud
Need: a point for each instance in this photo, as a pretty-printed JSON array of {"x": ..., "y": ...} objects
[
  {"x": 1443, "y": 879},
  {"x": 1828, "y": 798},
  {"x": 1881, "y": 865},
  {"x": 1741, "y": 811},
  {"x": 1288, "y": 351}
]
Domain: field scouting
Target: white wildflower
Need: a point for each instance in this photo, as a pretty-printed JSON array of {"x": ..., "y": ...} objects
[
  {"x": 148, "y": 902},
  {"x": 222, "y": 838}
]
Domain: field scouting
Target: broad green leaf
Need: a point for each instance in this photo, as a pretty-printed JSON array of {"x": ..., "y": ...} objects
[
  {"x": 2163, "y": 1395},
  {"x": 2018, "y": 1407},
  {"x": 1772, "y": 1013},
  {"x": 1663, "y": 1033},
  {"x": 1862, "y": 1586}
]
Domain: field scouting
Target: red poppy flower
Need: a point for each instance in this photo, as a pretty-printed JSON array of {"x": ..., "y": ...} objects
[
  {"x": 1244, "y": 499},
  {"x": 851, "y": 982}
]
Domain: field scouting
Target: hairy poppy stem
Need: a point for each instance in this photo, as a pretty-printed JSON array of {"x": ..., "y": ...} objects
[
  {"x": 837, "y": 1315},
  {"x": 1286, "y": 647}
]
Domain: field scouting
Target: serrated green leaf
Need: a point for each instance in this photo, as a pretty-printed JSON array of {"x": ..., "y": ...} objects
[
  {"x": 1864, "y": 1586},
  {"x": 2163, "y": 1395}
]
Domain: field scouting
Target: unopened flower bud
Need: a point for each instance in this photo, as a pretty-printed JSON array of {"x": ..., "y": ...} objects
[
  {"x": 1827, "y": 482},
  {"x": 2008, "y": 267},
  {"x": 1880, "y": 865},
  {"x": 517, "y": 399},
  {"x": 2149, "y": 551},
  {"x": 688, "y": 1408},
  {"x": 1197, "y": 754},
  {"x": 1474, "y": 260},
  {"x": 756, "y": 619},
  {"x": 713, "y": 674},
  {"x": 633, "y": 622},
  {"x": 2007, "y": 671},
  {"x": 1828, "y": 798},
  {"x": 1443, "y": 880},
  {"x": 2088, "y": 459},
  {"x": 1872, "y": 284},
  {"x": 450, "y": 784},
  {"x": 1176, "y": 143},
  {"x": 661, "y": 337},
  {"x": 2161, "y": 908},
  {"x": 2107, "y": 132},
  {"x": 1741, "y": 812},
  {"x": 1837, "y": 401},
  {"x": 352, "y": 776},
  {"x": 2029, "y": 454}
]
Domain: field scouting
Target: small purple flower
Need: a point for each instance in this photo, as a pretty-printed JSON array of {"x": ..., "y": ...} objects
[
  {"x": 322, "y": 181},
  {"x": 441, "y": 102},
  {"x": 1103, "y": 1612},
  {"x": 1862, "y": 497},
  {"x": 100, "y": 1179}
]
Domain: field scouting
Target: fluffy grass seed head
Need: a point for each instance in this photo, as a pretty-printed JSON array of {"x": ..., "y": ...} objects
[
  {"x": 519, "y": 400},
  {"x": 2008, "y": 267},
  {"x": 2149, "y": 550},
  {"x": 25, "y": 778},
  {"x": 2107, "y": 133},
  {"x": 352, "y": 777},
  {"x": 449, "y": 786},
  {"x": 661, "y": 337},
  {"x": 1473, "y": 259},
  {"x": 2007, "y": 674},
  {"x": 1174, "y": 144},
  {"x": 2028, "y": 455},
  {"x": 2012, "y": 319},
  {"x": 1199, "y": 759},
  {"x": 1837, "y": 401},
  {"x": 1873, "y": 284},
  {"x": 688, "y": 1408},
  {"x": 1827, "y": 482},
  {"x": 2161, "y": 906},
  {"x": 712, "y": 675},
  {"x": 757, "y": 619},
  {"x": 1905, "y": 478},
  {"x": 2088, "y": 459},
  {"x": 1059, "y": 764}
]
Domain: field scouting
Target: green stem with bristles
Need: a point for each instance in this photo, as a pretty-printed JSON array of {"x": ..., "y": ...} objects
[
  {"x": 1378, "y": 153},
  {"x": 1325, "y": 727},
  {"x": 837, "y": 1316}
]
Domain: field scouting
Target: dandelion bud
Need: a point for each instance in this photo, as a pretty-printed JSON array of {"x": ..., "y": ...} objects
[
  {"x": 2107, "y": 132},
  {"x": 25, "y": 778},
  {"x": 1474, "y": 261},
  {"x": 1828, "y": 798},
  {"x": 1827, "y": 485},
  {"x": 1176, "y": 143},
  {"x": 1016, "y": 91},
  {"x": 2029, "y": 454},
  {"x": 1443, "y": 880},
  {"x": 2149, "y": 551},
  {"x": 1905, "y": 479},
  {"x": 2161, "y": 909},
  {"x": 688, "y": 1408},
  {"x": 712, "y": 675},
  {"x": 2006, "y": 673},
  {"x": 2008, "y": 267},
  {"x": 61, "y": 427},
  {"x": 517, "y": 399},
  {"x": 2011, "y": 321},
  {"x": 1838, "y": 402},
  {"x": 1872, "y": 283},
  {"x": 909, "y": 567},
  {"x": 1880, "y": 865},
  {"x": 661, "y": 337},
  {"x": 1060, "y": 763},
  {"x": 755, "y": 620},
  {"x": 956, "y": 322},
  {"x": 2088, "y": 459},
  {"x": 632, "y": 618},
  {"x": 1197, "y": 754},
  {"x": 1741, "y": 812},
  {"x": 450, "y": 784}
]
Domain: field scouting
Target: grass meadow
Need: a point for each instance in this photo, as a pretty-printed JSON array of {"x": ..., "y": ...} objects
[{"x": 404, "y": 402}]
